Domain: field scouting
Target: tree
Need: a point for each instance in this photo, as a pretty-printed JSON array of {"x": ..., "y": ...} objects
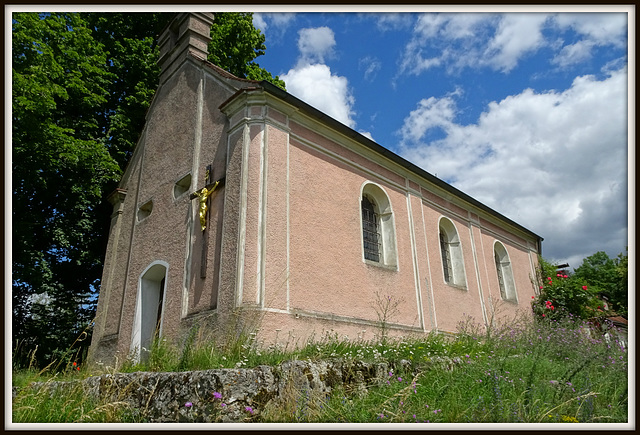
[
  {"x": 562, "y": 294},
  {"x": 234, "y": 45},
  {"x": 580, "y": 293},
  {"x": 608, "y": 277},
  {"x": 60, "y": 165},
  {"x": 82, "y": 83}
]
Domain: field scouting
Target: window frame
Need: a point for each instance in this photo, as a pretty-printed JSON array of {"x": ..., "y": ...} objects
[
  {"x": 388, "y": 250},
  {"x": 451, "y": 254},
  {"x": 504, "y": 270}
]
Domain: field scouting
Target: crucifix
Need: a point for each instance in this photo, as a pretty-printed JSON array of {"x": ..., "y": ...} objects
[{"x": 203, "y": 204}]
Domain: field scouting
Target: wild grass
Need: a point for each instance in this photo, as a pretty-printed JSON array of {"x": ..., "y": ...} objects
[{"x": 523, "y": 371}]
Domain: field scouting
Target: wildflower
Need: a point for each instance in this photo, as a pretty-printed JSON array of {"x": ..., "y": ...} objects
[
  {"x": 400, "y": 379},
  {"x": 543, "y": 315},
  {"x": 223, "y": 405},
  {"x": 248, "y": 409},
  {"x": 217, "y": 395},
  {"x": 74, "y": 364},
  {"x": 188, "y": 405},
  {"x": 584, "y": 287},
  {"x": 566, "y": 276}
]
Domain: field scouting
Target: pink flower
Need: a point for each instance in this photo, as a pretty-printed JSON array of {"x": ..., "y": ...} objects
[
  {"x": 584, "y": 287},
  {"x": 188, "y": 404},
  {"x": 248, "y": 409},
  {"x": 543, "y": 315},
  {"x": 566, "y": 276},
  {"x": 217, "y": 395}
]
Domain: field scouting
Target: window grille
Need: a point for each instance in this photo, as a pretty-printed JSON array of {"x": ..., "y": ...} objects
[
  {"x": 370, "y": 231},
  {"x": 446, "y": 257},
  {"x": 503, "y": 292}
]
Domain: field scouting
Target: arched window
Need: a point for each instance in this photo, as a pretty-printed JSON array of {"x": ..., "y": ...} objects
[
  {"x": 370, "y": 230},
  {"x": 378, "y": 231},
  {"x": 451, "y": 253},
  {"x": 505, "y": 273},
  {"x": 147, "y": 323}
]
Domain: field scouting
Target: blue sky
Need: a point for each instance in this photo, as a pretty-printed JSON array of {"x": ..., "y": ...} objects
[
  {"x": 524, "y": 109},
  {"x": 526, "y": 112}
]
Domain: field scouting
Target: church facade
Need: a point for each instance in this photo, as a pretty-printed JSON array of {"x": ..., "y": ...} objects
[{"x": 239, "y": 197}]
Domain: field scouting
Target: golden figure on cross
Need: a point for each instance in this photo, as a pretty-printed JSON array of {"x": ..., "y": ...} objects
[{"x": 203, "y": 195}]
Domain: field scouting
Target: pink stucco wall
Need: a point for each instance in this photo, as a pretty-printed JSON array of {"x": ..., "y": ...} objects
[
  {"x": 303, "y": 254},
  {"x": 285, "y": 233}
]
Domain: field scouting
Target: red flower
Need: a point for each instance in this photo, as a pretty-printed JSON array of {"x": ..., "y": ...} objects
[
  {"x": 74, "y": 364},
  {"x": 543, "y": 315},
  {"x": 533, "y": 297},
  {"x": 565, "y": 276},
  {"x": 584, "y": 287}
]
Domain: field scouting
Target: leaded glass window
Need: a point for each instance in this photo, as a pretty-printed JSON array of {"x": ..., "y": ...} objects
[
  {"x": 370, "y": 230},
  {"x": 446, "y": 257}
]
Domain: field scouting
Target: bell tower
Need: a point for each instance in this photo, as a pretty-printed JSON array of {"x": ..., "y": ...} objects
[{"x": 187, "y": 32}]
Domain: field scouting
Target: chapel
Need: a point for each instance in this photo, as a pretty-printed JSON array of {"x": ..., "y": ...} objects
[{"x": 243, "y": 202}]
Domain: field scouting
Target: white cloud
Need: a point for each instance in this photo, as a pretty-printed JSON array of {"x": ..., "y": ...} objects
[
  {"x": 456, "y": 41},
  {"x": 554, "y": 162},
  {"x": 516, "y": 35},
  {"x": 315, "y": 44},
  {"x": 259, "y": 22},
  {"x": 596, "y": 30},
  {"x": 317, "y": 86},
  {"x": 371, "y": 66},
  {"x": 393, "y": 21},
  {"x": 276, "y": 22},
  {"x": 313, "y": 82}
]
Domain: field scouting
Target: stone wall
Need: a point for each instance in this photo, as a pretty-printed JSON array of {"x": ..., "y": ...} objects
[{"x": 242, "y": 395}]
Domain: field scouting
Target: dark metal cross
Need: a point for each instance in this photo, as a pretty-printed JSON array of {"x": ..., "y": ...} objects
[{"x": 203, "y": 205}]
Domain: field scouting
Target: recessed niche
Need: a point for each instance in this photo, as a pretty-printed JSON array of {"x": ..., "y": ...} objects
[
  {"x": 145, "y": 210},
  {"x": 182, "y": 186}
]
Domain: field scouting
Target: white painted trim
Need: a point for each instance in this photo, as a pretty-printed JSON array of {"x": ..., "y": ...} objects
[
  {"x": 191, "y": 211},
  {"x": 366, "y": 171},
  {"x": 464, "y": 286},
  {"x": 432, "y": 307},
  {"x": 288, "y": 212},
  {"x": 414, "y": 254},
  {"x": 504, "y": 278},
  {"x": 477, "y": 270},
  {"x": 136, "y": 330},
  {"x": 262, "y": 215},
  {"x": 385, "y": 227},
  {"x": 242, "y": 228}
]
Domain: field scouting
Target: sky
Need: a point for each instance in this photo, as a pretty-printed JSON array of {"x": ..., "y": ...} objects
[{"x": 525, "y": 111}]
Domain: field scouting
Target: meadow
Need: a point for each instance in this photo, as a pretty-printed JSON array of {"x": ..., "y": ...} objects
[{"x": 521, "y": 371}]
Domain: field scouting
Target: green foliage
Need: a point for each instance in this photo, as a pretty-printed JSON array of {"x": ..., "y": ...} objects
[
  {"x": 607, "y": 277},
  {"x": 81, "y": 86},
  {"x": 559, "y": 371},
  {"x": 580, "y": 294},
  {"x": 59, "y": 167},
  {"x": 236, "y": 43}
]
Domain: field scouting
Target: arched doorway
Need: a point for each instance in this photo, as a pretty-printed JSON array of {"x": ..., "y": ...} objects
[{"x": 149, "y": 308}]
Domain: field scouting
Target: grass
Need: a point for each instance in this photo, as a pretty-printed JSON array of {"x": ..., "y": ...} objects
[{"x": 532, "y": 372}]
